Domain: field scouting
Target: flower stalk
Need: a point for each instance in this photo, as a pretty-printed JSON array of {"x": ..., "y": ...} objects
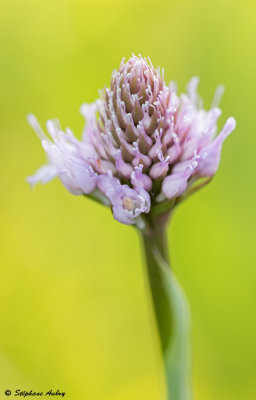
[{"x": 169, "y": 307}]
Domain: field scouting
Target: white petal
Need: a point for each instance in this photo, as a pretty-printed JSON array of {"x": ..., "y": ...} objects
[
  {"x": 44, "y": 175},
  {"x": 210, "y": 155}
]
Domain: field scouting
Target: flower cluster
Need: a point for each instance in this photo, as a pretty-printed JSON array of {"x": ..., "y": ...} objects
[{"x": 142, "y": 143}]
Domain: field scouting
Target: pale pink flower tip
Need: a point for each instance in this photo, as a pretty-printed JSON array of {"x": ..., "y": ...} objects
[{"x": 141, "y": 142}]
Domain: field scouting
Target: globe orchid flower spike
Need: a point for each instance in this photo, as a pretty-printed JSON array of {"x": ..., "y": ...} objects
[
  {"x": 144, "y": 149},
  {"x": 142, "y": 143}
]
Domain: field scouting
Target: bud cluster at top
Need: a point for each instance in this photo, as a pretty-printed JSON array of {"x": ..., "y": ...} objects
[{"x": 142, "y": 143}]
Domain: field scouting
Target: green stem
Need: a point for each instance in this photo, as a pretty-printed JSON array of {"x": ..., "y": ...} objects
[{"x": 170, "y": 309}]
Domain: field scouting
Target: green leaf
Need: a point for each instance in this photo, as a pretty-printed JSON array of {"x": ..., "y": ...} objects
[
  {"x": 176, "y": 353},
  {"x": 170, "y": 309}
]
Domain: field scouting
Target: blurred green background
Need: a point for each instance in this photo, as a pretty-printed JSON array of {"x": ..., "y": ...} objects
[{"x": 72, "y": 303}]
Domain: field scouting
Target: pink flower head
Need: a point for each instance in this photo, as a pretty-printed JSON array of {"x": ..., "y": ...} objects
[{"x": 142, "y": 142}]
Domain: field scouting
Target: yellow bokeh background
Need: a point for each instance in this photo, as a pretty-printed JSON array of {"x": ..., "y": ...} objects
[{"x": 72, "y": 303}]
